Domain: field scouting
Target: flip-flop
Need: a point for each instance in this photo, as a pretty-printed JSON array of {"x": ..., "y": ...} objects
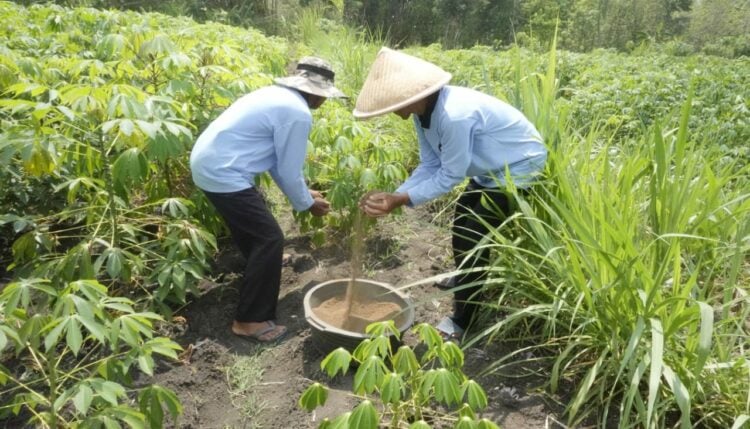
[
  {"x": 446, "y": 283},
  {"x": 257, "y": 336},
  {"x": 449, "y": 330},
  {"x": 286, "y": 259}
]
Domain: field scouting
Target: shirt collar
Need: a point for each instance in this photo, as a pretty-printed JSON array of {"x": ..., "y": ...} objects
[{"x": 426, "y": 117}]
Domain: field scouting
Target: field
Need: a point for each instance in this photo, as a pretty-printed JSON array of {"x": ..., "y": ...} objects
[{"x": 619, "y": 296}]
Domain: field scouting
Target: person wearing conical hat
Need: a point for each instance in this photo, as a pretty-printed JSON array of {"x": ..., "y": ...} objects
[
  {"x": 263, "y": 131},
  {"x": 462, "y": 133}
]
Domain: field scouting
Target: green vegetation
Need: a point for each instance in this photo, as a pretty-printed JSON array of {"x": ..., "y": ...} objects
[
  {"x": 75, "y": 351},
  {"x": 242, "y": 376},
  {"x": 626, "y": 274},
  {"x": 716, "y": 27},
  {"x": 409, "y": 389}
]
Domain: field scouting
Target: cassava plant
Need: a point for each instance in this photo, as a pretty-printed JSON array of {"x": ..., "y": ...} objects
[
  {"x": 348, "y": 159},
  {"x": 98, "y": 110},
  {"x": 401, "y": 390},
  {"x": 74, "y": 353}
]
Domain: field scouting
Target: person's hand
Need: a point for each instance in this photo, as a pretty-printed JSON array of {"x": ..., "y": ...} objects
[
  {"x": 315, "y": 194},
  {"x": 377, "y": 204},
  {"x": 320, "y": 207}
]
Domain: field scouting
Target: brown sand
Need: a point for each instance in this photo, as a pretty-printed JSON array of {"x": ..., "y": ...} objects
[{"x": 333, "y": 311}]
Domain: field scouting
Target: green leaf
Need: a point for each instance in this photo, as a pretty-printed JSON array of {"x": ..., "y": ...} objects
[
  {"x": 337, "y": 360},
  {"x": 740, "y": 421},
  {"x": 466, "y": 423},
  {"x": 108, "y": 390},
  {"x": 369, "y": 374},
  {"x": 130, "y": 167},
  {"x": 420, "y": 424},
  {"x": 467, "y": 411},
  {"x": 31, "y": 328},
  {"x": 405, "y": 361},
  {"x": 704, "y": 338},
  {"x": 169, "y": 398},
  {"x": 162, "y": 148},
  {"x": 392, "y": 388},
  {"x": 63, "y": 399},
  {"x": 681, "y": 394},
  {"x": 474, "y": 394},
  {"x": 384, "y": 328},
  {"x": 176, "y": 60},
  {"x": 51, "y": 339},
  {"x": 163, "y": 346},
  {"x": 114, "y": 262},
  {"x": 176, "y": 207},
  {"x": 486, "y": 424},
  {"x": 73, "y": 336},
  {"x": 443, "y": 384},
  {"x": 340, "y": 422},
  {"x": 365, "y": 416},
  {"x": 429, "y": 335},
  {"x": 126, "y": 126},
  {"x": 150, "y": 129},
  {"x": 18, "y": 294},
  {"x": 82, "y": 399},
  {"x": 133, "y": 418},
  {"x": 313, "y": 397},
  {"x": 146, "y": 364},
  {"x": 451, "y": 355},
  {"x": 657, "y": 355},
  {"x": 159, "y": 46},
  {"x": 111, "y": 46},
  {"x": 380, "y": 346},
  {"x": 148, "y": 402},
  {"x": 362, "y": 351},
  {"x": 152, "y": 399}
]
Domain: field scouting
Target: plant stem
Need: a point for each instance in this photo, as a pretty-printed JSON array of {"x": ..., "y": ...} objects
[
  {"x": 109, "y": 181},
  {"x": 52, "y": 377}
]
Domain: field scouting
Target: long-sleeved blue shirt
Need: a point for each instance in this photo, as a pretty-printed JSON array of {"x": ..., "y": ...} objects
[
  {"x": 472, "y": 134},
  {"x": 265, "y": 130}
]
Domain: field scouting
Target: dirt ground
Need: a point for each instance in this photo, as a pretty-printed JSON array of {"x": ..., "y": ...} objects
[{"x": 402, "y": 250}]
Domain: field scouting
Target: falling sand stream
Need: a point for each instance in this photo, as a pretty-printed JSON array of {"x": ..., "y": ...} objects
[{"x": 357, "y": 309}]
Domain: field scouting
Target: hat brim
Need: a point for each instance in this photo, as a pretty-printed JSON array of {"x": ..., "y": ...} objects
[
  {"x": 311, "y": 87},
  {"x": 413, "y": 99}
]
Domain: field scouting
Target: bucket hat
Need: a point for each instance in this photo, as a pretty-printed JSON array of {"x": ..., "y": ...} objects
[
  {"x": 397, "y": 80},
  {"x": 314, "y": 76}
]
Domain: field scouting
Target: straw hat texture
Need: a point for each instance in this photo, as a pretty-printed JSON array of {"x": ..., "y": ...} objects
[
  {"x": 314, "y": 76},
  {"x": 397, "y": 80}
]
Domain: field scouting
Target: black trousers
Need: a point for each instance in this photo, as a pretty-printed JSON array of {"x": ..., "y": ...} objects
[
  {"x": 259, "y": 237},
  {"x": 467, "y": 231}
]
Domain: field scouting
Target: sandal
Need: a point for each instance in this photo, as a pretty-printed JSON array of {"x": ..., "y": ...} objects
[
  {"x": 258, "y": 336},
  {"x": 450, "y": 331},
  {"x": 446, "y": 283},
  {"x": 286, "y": 259}
]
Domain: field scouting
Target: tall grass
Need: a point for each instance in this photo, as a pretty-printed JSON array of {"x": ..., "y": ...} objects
[{"x": 628, "y": 274}]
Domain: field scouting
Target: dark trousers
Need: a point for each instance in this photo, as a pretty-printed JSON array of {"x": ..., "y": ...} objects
[
  {"x": 467, "y": 231},
  {"x": 259, "y": 237}
]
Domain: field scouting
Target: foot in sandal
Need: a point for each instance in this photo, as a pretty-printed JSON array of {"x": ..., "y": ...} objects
[
  {"x": 449, "y": 330},
  {"x": 262, "y": 332}
]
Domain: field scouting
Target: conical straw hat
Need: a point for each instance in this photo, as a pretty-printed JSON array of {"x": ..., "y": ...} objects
[{"x": 397, "y": 80}]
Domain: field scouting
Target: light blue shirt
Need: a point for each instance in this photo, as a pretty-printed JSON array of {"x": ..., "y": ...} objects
[
  {"x": 265, "y": 130},
  {"x": 472, "y": 134}
]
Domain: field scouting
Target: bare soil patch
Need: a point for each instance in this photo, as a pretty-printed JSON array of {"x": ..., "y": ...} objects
[{"x": 402, "y": 251}]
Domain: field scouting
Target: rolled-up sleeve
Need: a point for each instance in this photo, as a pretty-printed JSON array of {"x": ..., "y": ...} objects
[{"x": 290, "y": 141}]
